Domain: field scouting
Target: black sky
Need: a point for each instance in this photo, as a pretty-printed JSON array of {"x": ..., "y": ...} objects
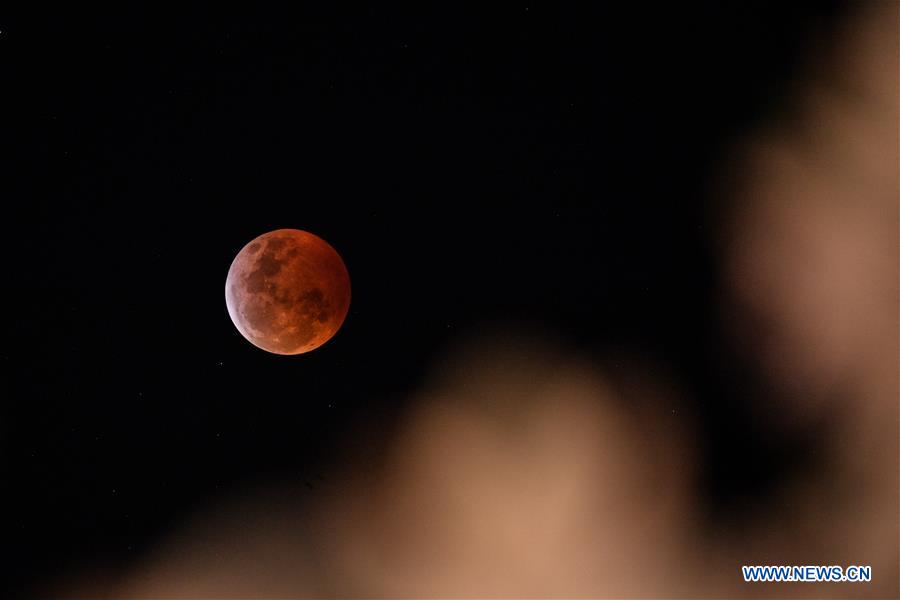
[{"x": 528, "y": 165}]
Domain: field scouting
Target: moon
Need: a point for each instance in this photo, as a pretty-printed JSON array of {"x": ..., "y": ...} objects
[{"x": 287, "y": 291}]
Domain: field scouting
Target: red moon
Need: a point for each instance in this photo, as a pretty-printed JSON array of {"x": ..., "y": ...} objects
[{"x": 288, "y": 291}]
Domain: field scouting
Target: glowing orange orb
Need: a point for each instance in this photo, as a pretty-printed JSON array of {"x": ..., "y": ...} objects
[{"x": 288, "y": 291}]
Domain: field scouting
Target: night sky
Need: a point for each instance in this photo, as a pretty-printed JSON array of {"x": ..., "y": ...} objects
[{"x": 529, "y": 166}]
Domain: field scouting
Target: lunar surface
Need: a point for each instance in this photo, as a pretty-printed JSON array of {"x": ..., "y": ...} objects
[{"x": 288, "y": 291}]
